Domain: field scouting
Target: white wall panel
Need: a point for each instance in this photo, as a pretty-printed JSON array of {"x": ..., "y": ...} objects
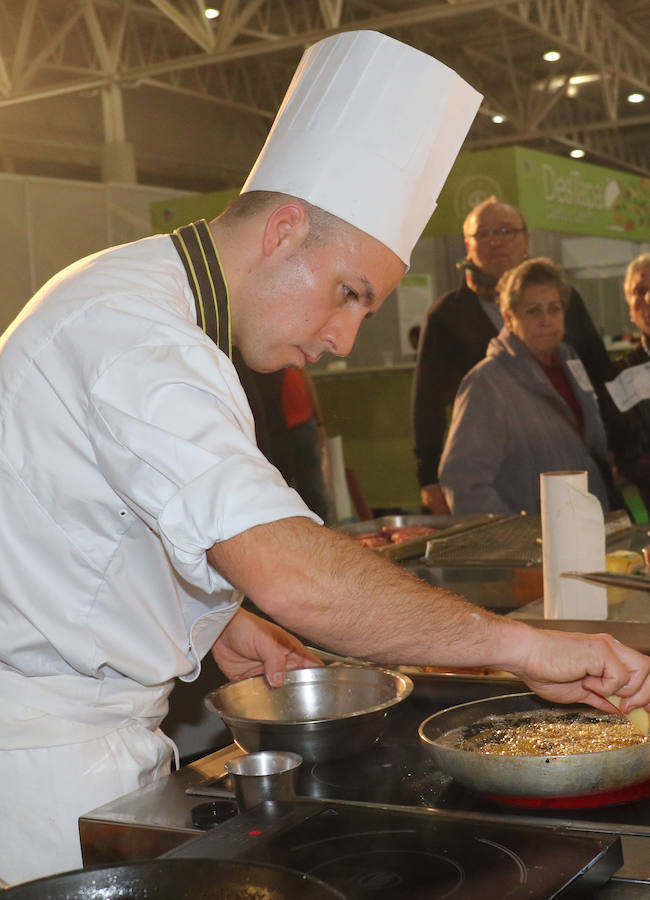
[
  {"x": 48, "y": 223},
  {"x": 68, "y": 221}
]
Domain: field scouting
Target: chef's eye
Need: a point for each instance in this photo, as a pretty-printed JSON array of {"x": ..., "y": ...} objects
[{"x": 350, "y": 294}]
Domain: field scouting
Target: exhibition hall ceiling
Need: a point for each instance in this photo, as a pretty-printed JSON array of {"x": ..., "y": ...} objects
[{"x": 195, "y": 96}]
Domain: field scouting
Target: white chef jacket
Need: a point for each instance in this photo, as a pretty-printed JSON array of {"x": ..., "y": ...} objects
[{"x": 127, "y": 449}]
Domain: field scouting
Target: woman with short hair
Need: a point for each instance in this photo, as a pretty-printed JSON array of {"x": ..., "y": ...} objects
[{"x": 527, "y": 408}]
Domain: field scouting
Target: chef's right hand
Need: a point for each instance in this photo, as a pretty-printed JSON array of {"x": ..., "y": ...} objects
[
  {"x": 250, "y": 645},
  {"x": 433, "y": 497},
  {"x": 577, "y": 668}
]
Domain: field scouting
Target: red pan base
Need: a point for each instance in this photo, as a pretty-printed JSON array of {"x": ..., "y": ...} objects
[{"x": 583, "y": 801}]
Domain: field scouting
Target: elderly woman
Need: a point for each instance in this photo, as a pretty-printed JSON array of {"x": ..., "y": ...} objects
[
  {"x": 527, "y": 408},
  {"x": 630, "y": 430}
]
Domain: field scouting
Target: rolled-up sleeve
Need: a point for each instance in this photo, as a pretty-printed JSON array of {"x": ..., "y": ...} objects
[{"x": 175, "y": 439}]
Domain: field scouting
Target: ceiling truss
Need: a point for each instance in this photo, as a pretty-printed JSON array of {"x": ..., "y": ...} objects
[{"x": 241, "y": 62}]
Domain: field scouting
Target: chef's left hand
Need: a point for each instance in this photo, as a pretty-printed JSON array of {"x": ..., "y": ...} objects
[{"x": 249, "y": 645}]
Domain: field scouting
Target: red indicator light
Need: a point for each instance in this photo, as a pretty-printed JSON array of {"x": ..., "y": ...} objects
[{"x": 254, "y": 832}]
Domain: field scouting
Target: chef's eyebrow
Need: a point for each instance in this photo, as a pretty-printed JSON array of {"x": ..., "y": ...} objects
[{"x": 368, "y": 292}]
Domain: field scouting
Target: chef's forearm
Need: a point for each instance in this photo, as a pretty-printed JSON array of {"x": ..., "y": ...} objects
[{"x": 325, "y": 587}]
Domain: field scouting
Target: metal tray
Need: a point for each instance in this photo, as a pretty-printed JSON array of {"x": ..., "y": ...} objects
[
  {"x": 444, "y": 689},
  {"x": 448, "y": 525},
  {"x": 513, "y": 541}
]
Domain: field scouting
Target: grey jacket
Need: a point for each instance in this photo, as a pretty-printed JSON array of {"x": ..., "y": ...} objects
[{"x": 509, "y": 424}]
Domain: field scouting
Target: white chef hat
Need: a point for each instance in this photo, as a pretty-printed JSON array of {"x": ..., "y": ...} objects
[{"x": 368, "y": 131}]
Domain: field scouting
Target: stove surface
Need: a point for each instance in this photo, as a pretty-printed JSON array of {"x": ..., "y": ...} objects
[
  {"x": 377, "y": 852},
  {"x": 396, "y": 772},
  {"x": 399, "y": 771}
]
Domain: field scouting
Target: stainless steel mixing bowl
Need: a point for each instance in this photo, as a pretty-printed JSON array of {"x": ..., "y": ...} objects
[{"x": 322, "y": 713}]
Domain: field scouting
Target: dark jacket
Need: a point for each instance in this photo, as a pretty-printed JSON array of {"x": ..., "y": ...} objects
[
  {"x": 454, "y": 338},
  {"x": 630, "y": 431}
]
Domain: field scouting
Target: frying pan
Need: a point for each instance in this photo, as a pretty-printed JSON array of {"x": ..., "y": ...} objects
[
  {"x": 565, "y": 776},
  {"x": 176, "y": 879}
]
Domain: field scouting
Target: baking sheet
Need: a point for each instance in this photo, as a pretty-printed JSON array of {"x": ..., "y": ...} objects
[
  {"x": 445, "y": 689},
  {"x": 512, "y": 541}
]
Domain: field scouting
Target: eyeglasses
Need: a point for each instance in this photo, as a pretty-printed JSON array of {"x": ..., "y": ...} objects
[{"x": 506, "y": 233}]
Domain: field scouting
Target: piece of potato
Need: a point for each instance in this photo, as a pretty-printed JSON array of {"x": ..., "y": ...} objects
[{"x": 638, "y": 717}]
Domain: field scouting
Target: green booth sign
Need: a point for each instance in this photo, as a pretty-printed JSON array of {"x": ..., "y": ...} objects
[{"x": 554, "y": 193}]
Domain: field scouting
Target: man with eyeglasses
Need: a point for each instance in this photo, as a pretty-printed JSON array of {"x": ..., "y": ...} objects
[{"x": 460, "y": 325}]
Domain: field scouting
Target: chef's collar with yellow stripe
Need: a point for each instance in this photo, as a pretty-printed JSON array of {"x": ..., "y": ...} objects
[{"x": 200, "y": 258}]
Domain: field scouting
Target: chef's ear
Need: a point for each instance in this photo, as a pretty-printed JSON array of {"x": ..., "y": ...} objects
[
  {"x": 507, "y": 319},
  {"x": 285, "y": 230}
]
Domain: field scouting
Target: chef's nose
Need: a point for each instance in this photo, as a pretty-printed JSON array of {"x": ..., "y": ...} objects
[{"x": 341, "y": 331}]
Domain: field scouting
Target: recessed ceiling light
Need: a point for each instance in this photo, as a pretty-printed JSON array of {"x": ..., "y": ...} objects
[
  {"x": 558, "y": 82},
  {"x": 211, "y": 12},
  {"x": 577, "y": 153},
  {"x": 498, "y": 119},
  {"x": 635, "y": 98},
  {"x": 585, "y": 78},
  {"x": 551, "y": 56}
]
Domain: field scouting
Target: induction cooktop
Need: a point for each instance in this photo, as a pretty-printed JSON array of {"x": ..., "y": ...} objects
[{"x": 389, "y": 853}]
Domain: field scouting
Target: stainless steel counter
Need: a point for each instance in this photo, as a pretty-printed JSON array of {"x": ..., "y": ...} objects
[{"x": 151, "y": 820}]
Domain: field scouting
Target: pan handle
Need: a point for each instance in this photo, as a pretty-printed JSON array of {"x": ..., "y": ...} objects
[
  {"x": 327, "y": 657},
  {"x": 209, "y": 790},
  {"x": 613, "y": 579}
]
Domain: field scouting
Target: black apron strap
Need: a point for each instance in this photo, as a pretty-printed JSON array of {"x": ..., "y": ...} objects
[{"x": 199, "y": 255}]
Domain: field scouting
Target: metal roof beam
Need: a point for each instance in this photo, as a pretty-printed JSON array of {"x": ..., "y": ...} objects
[
  {"x": 599, "y": 146},
  {"x": 386, "y": 21},
  {"x": 50, "y": 47},
  {"x": 189, "y": 24},
  {"x": 5, "y": 80},
  {"x": 237, "y": 20},
  {"x": 104, "y": 56},
  {"x": 24, "y": 35},
  {"x": 586, "y": 28}
]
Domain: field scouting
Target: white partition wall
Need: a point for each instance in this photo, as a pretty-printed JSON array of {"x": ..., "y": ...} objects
[{"x": 47, "y": 223}]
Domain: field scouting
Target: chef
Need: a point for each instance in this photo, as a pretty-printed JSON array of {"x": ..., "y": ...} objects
[{"x": 137, "y": 509}]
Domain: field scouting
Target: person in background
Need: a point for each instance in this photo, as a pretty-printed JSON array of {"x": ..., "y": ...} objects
[
  {"x": 461, "y": 323},
  {"x": 293, "y": 423},
  {"x": 527, "y": 408},
  {"x": 137, "y": 509},
  {"x": 630, "y": 434},
  {"x": 304, "y": 435},
  {"x": 414, "y": 336}
]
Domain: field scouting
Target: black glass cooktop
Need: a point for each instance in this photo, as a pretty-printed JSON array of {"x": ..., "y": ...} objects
[{"x": 383, "y": 853}]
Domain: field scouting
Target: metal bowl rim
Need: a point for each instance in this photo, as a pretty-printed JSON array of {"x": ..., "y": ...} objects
[
  {"x": 405, "y": 683},
  {"x": 458, "y": 751}
]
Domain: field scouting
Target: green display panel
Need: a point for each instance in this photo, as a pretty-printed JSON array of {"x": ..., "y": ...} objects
[{"x": 559, "y": 194}]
